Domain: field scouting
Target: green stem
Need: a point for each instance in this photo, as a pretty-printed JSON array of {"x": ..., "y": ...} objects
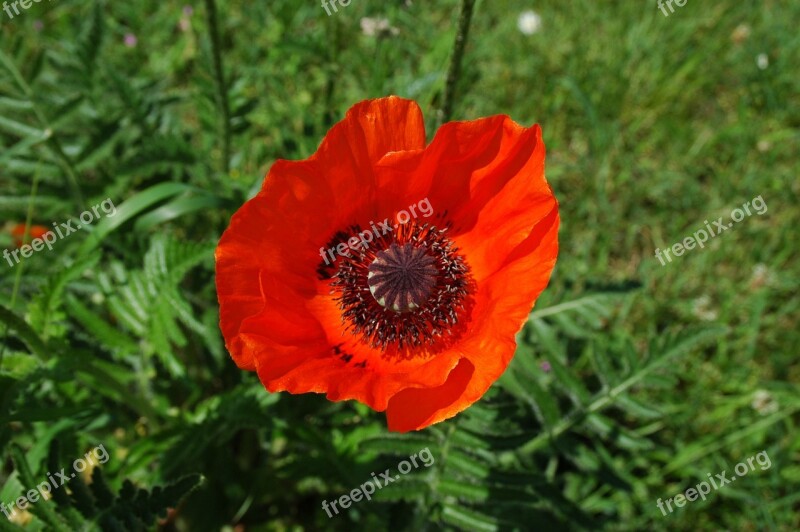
[
  {"x": 222, "y": 86},
  {"x": 454, "y": 71},
  {"x": 332, "y": 74}
]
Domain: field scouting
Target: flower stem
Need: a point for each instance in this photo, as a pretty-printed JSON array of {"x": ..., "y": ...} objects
[
  {"x": 222, "y": 86},
  {"x": 454, "y": 70}
]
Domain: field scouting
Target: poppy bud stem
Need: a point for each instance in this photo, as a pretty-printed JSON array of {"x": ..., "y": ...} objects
[
  {"x": 454, "y": 71},
  {"x": 222, "y": 85}
]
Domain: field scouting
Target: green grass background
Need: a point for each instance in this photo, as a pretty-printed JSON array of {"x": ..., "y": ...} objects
[{"x": 653, "y": 125}]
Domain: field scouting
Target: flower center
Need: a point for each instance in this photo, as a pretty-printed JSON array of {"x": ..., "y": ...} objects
[
  {"x": 407, "y": 288},
  {"x": 401, "y": 278}
]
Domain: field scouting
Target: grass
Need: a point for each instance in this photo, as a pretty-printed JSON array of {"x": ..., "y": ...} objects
[{"x": 653, "y": 125}]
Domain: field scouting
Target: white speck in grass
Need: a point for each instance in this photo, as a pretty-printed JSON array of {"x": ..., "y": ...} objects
[
  {"x": 764, "y": 403},
  {"x": 377, "y": 27},
  {"x": 701, "y": 308},
  {"x": 740, "y": 34},
  {"x": 762, "y": 61},
  {"x": 529, "y": 22},
  {"x": 761, "y": 276}
]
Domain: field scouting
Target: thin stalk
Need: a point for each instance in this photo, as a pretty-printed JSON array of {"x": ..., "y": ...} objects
[
  {"x": 222, "y": 85},
  {"x": 331, "y": 71},
  {"x": 454, "y": 71}
]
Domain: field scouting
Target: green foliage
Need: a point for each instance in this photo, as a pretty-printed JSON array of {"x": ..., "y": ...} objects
[
  {"x": 148, "y": 303},
  {"x": 94, "y": 506},
  {"x": 496, "y": 462},
  {"x": 632, "y": 381}
]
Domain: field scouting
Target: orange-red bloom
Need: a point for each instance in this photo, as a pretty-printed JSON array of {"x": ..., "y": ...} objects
[
  {"x": 420, "y": 320},
  {"x": 35, "y": 231}
]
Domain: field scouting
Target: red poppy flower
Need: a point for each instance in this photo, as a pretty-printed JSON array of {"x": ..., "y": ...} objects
[
  {"x": 419, "y": 318},
  {"x": 35, "y": 231}
]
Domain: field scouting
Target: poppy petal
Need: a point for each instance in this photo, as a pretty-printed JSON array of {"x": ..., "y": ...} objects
[
  {"x": 500, "y": 313},
  {"x": 297, "y": 205},
  {"x": 485, "y": 181}
]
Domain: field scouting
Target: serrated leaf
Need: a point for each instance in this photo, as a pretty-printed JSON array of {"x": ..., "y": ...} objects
[
  {"x": 468, "y": 465},
  {"x": 463, "y": 490},
  {"x": 637, "y": 408},
  {"x": 19, "y": 129},
  {"x": 405, "y": 489},
  {"x": 399, "y": 444},
  {"x": 26, "y": 333},
  {"x": 99, "y": 328},
  {"x": 469, "y": 519},
  {"x": 567, "y": 380}
]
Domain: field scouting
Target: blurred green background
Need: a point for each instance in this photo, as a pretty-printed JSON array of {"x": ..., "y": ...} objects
[{"x": 633, "y": 381}]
